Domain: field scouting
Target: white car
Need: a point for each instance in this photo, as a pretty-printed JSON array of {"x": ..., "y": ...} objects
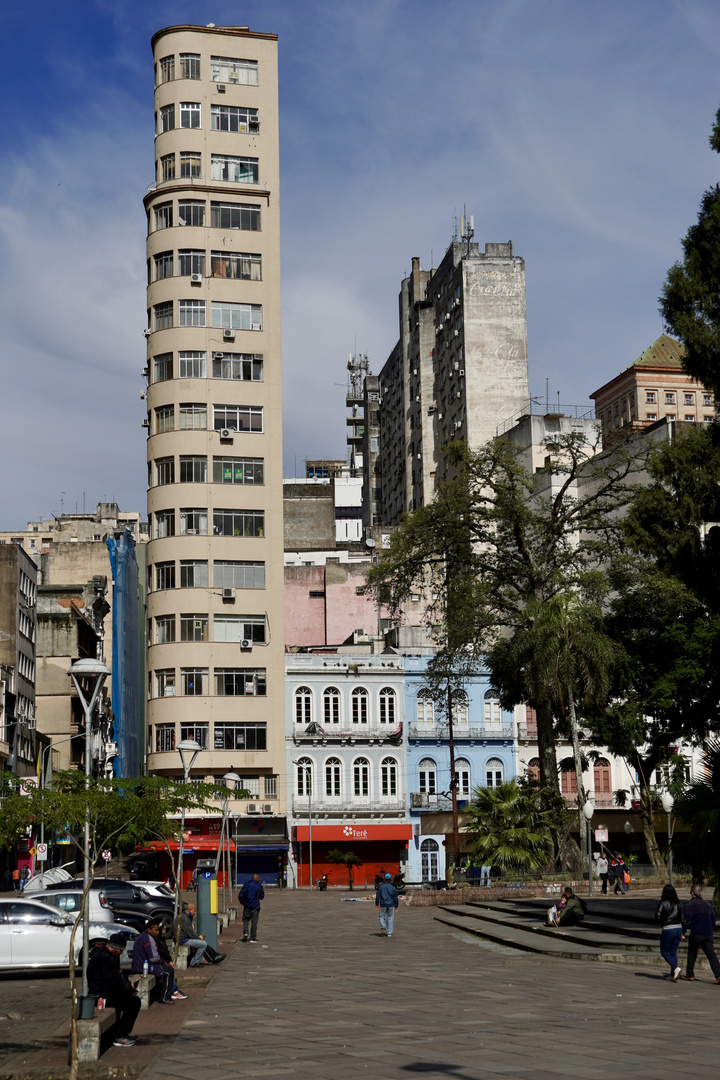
[
  {"x": 155, "y": 888},
  {"x": 36, "y": 935},
  {"x": 68, "y": 901}
]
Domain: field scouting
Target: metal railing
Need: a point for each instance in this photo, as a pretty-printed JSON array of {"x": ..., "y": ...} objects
[
  {"x": 469, "y": 731},
  {"x": 535, "y": 407},
  {"x": 342, "y": 805}
]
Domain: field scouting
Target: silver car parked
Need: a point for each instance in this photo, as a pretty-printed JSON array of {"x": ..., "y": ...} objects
[{"x": 37, "y": 935}]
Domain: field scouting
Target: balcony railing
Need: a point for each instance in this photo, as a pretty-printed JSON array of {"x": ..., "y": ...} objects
[
  {"x": 423, "y": 800},
  {"x": 348, "y": 733},
  {"x": 468, "y": 731},
  {"x": 359, "y": 805},
  {"x": 528, "y": 733}
]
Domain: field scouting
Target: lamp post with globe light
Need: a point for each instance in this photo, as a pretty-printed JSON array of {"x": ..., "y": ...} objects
[
  {"x": 230, "y": 778},
  {"x": 308, "y": 784},
  {"x": 668, "y": 802},
  {"x": 188, "y": 750},
  {"x": 588, "y": 811}
]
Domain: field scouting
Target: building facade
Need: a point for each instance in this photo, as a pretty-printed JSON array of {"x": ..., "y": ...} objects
[
  {"x": 18, "y": 622},
  {"x": 215, "y": 557}
]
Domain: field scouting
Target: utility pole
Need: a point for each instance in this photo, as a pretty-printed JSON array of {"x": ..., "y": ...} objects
[{"x": 453, "y": 778}]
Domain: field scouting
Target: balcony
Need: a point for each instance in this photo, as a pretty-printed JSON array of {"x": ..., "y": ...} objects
[
  {"x": 322, "y": 806},
  {"x": 348, "y": 734},
  {"x": 473, "y": 732},
  {"x": 526, "y": 733},
  {"x": 423, "y": 800}
]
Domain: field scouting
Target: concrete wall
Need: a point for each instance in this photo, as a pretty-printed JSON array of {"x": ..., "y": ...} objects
[
  {"x": 309, "y": 516},
  {"x": 328, "y": 619}
]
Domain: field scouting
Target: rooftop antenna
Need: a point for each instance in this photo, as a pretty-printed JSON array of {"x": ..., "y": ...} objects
[
  {"x": 467, "y": 228},
  {"x": 455, "y": 227}
]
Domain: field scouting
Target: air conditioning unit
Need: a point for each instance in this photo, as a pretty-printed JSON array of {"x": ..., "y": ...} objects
[
  {"x": 146, "y": 423},
  {"x": 252, "y": 808},
  {"x": 221, "y": 89},
  {"x": 267, "y": 808},
  {"x": 458, "y": 424},
  {"x": 415, "y": 371},
  {"x": 227, "y": 433},
  {"x": 456, "y": 365},
  {"x": 246, "y": 643},
  {"x": 228, "y": 594},
  {"x": 196, "y": 279},
  {"x": 228, "y": 335},
  {"x": 456, "y": 333},
  {"x": 432, "y": 409},
  {"x": 147, "y": 333},
  {"x": 417, "y": 397},
  {"x": 461, "y": 371},
  {"x": 458, "y": 393},
  {"x": 256, "y": 326}
]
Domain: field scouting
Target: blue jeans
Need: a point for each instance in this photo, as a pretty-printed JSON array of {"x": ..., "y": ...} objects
[
  {"x": 669, "y": 941},
  {"x": 199, "y": 945},
  {"x": 387, "y": 919}
]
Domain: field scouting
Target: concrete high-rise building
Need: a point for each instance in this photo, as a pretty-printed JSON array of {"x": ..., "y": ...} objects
[
  {"x": 215, "y": 557},
  {"x": 458, "y": 371}
]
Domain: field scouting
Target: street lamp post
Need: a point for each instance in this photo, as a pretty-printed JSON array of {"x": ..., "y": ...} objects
[
  {"x": 668, "y": 802},
  {"x": 588, "y": 811},
  {"x": 189, "y": 750},
  {"x": 236, "y": 781},
  {"x": 87, "y": 669},
  {"x": 308, "y": 784}
]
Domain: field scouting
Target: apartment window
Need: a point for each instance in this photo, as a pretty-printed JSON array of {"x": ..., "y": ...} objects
[
  {"x": 164, "y": 419},
  {"x": 238, "y": 470},
  {"x": 245, "y": 367},
  {"x": 235, "y": 170},
  {"x": 164, "y": 215},
  {"x": 359, "y": 698},
  {"x": 331, "y": 705},
  {"x": 199, "y": 733},
  {"x": 191, "y": 212},
  {"x": 303, "y": 705},
  {"x": 163, "y": 315},
  {"x": 163, "y": 367},
  {"x": 427, "y": 774},
  {"x": 240, "y": 682},
  {"x": 164, "y": 629},
  {"x": 361, "y": 777},
  {"x": 236, "y": 316},
  {"x": 332, "y": 778},
  {"x": 688, "y": 399},
  {"x": 190, "y": 165},
  {"x": 189, "y": 114},
  {"x": 239, "y": 523},
  {"x": 460, "y": 708},
  {"x": 303, "y": 777},
  {"x": 233, "y": 118},
  {"x": 165, "y": 682},
  {"x": 193, "y": 470},
  {"x": 166, "y": 69},
  {"x": 164, "y": 524},
  {"x": 193, "y": 627},
  {"x": 193, "y": 573},
  {"x": 690, "y": 417},
  {"x": 707, "y": 400},
  {"x": 194, "y": 681},
  {"x": 387, "y": 705},
  {"x": 192, "y": 365},
  {"x": 240, "y": 736},
  {"x": 163, "y": 265},
  {"x": 388, "y": 776},
  {"x": 166, "y": 167},
  {"x": 189, "y": 66},
  {"x": 165, "y": 575},
  {"x": 233, "y": 574},
  {"x": 238, "y": 417},
  {"x": 651, "y": 416},
  {"x": 650, "y": 397},
  {"x": 164, "y": 471},
  {"x": 271, "y": 787},
  {"x": 669, "y": 399},
  {"x": 226, "y": 69},
  {"x": 191, "y": 262},
  {"x": 492, "y": 707},
  {"x": 167, "y": 118},
  {"x": 164, "y": 738},
  {"x": 191, "y": 312},
  {"x": 708, "y": 419},
  {"x": 235, "y": 216},
  {"x": 237, "y": 628},
  {"x": 425, "y": 710},
  {"x": 192, "y": 417},
  {"x": 193, "y": 522},
  {"x": 230, "y": 264},
  {"x": 462, "y": 770}
]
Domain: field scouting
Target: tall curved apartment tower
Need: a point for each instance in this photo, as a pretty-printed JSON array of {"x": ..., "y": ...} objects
[{"x": 216, "y": 664}]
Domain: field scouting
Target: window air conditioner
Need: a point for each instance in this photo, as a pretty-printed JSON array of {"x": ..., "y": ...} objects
[
  {"x": 228, "y": 335},
  {"x": 415, "y": 371},
  {"x": 147, "y": 332},
  {"x": 267, "y": 808},
  {"x": 227, "y": 433},
  {"x": 458, "y": 424},
  {"x": 432, "y": 409},
  {"x": 196, "y": 279},
  {"x": 221, "y": 89},
  {"x": 252, "y": 808},
  {"x": 417, "y": 397},
  {"x": 228, "y": 594},
  {"x": 456, "y": 365},
  {"x": 146, "y": 422},
  {"x": 456, "y": 333},
  {"x": 257, "y": 326},
  {"x": 246, "y": 643},
  {"x": 461, "y": 371}
]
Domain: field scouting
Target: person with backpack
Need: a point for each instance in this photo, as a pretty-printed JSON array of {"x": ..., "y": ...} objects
[
  {"x": 386, "y": 902},
  {"x": 669, "y": 913},
  {"x": 574, "y": 910}
]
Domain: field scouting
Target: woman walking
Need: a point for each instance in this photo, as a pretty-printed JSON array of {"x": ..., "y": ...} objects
[{"x": 669, "y": 913}]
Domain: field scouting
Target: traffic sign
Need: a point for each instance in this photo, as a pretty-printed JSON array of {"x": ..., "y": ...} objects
[
  {"x": 41, "y": 853},
  {"x": 33, "y": 851},
  {"x": 28, "y": 785},
  {"x": 107, "y": 855}
]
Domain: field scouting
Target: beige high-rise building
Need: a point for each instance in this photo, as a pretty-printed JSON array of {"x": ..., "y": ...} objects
[{"x": 215, "y": 557}]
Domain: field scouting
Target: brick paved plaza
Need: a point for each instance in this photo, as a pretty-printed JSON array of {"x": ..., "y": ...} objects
[{"x": 329, "y": 997}]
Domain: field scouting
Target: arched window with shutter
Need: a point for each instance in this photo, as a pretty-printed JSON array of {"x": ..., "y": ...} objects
[
  {"x": 303, "y": 705},
  {"x": 428, "y": 776},
  {"x": 425, "y": 709},
  {"x": 462, "y": 768},
  {"x": 603, "y": 782},
  {"x": 492, "y": 708},
  {"x": 533, "y": 770},
  {"x": 331, "y": 706},
  {"x": 361, "y": 778},
  {"x": 460, "y": 709},
  {"x": 494, "y": 772},
  {"x": 388, "y": 777},
  {"x": 303, "y": 777}
]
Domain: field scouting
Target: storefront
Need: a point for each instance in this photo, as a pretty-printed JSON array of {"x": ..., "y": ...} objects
[
  {"x": 381, "y": 848},
  {"x": 195, "y": 846}
]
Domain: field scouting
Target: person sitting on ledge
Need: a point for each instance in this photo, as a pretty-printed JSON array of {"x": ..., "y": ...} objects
[{"x": 574, "y": 910}]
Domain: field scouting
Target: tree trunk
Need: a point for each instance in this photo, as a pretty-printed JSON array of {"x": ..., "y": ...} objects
[
  {"x": 646, "y": 818},
  {"x": 567, "y": 853}
]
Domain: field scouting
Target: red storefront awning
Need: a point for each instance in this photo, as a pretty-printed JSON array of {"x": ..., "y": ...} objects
[
  {"x": 191, "y": 843},
  {"x": 348, "y": 834}
]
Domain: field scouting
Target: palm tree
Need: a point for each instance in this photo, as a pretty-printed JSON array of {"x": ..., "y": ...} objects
[
  {"x": 509, "y": 829},
  {"x": 699, "y": 808}
]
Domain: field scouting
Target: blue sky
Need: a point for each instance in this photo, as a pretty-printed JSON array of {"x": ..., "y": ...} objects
[{"x": 577, "y": 130}]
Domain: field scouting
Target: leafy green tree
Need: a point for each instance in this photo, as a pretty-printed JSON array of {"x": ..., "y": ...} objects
[
  {"x": 690, "y": 300},
  {"x": 699, "y": 808},
  {"x": 348, "y": 859},
  {"x": 510, "y": 827}
]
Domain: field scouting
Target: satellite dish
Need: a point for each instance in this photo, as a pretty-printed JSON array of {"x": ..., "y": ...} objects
[{"x": 369, "y": 542}]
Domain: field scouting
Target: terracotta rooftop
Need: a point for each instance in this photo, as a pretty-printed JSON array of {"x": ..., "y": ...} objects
[{"x": 665, "y": 352}]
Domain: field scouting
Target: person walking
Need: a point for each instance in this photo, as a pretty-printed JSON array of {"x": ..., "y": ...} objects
[
  {"x": 699, "y": 929},
  {"x": 619, "y": 867},
  {"x": 16, "y": 879},
  {"x": 190, "y": 937},
  {"x": 250, "y": 896},
  {"x": 602, "y": 871},
  {"x": 107, "y": 981},
  {"x": 669, "y": 913},
  {"x": 386, "y": 903}
]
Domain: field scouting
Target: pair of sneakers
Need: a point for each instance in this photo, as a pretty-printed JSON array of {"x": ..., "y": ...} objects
[{"x": 124, "y": 1040}]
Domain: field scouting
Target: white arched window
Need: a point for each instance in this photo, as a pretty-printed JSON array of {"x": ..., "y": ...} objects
[
  {"x": 494, "y": 772},
  {"x": 428, "y": 776},
  {"x": 429, "y": 855},
  {"x": 460, "y": 709},
  {"x": 388, "y": 776},
  {"x": 361, "y": 777},
  {"x": 387, "y": 705},
  {"x": 332, "y": 778},
  {"x": 425, "y": 709},
  {"x": 303, "y": 784},
  {"x": 359, "y": 706},
  {"x": 462, "y": 768},
  {"x": 303, "y": 705},
  {"x": 492, "y": 707},
  {"x": 331, "y": 705},
  {"x": 533, "y": 770}
]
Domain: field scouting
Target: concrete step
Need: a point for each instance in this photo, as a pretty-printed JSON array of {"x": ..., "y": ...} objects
[
  {"x": 630, "y": 937},
  {"x": 516, "y": 938},
  {"x": 589, "y": 933}
]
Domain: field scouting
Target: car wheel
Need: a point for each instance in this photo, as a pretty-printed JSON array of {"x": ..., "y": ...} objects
[{"x": 165, "y": 921}]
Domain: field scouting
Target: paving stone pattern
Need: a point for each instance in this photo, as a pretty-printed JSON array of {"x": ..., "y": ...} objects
[{"x": 330, "y": 998}]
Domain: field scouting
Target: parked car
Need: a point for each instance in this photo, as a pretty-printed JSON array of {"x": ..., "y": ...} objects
[
  {"x": 155, "y": 888},
  {"x": 35, "y": 935},
  {"x": 68, "y": 901},
  {"x": 130, "y": 904}
]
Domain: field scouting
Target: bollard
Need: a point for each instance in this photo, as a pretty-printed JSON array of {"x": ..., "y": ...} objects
[
  {"x": 233, "y": 913},
  {"x": 182, "y": 958}
]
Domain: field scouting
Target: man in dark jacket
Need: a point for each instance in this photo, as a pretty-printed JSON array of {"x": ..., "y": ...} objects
[
  {"x": 107, "y": 981},
  {"x": 699, "y": 929},
  {"x": 250, "y": 896},
  {"x": 573, "y": 910},
  {"x": 386, "y": 903},
  {"x": 145, "y": 950},
  {"x": 190, "y": 937}
]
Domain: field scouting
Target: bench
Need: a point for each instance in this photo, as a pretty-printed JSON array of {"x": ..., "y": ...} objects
[
  {"x": 91, "y": 1033},
  {"x": 183, "y": 958},
  {"x": 144, "y": 984}
]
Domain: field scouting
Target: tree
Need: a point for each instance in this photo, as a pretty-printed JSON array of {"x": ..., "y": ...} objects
[
  {"x": 699, "y": 808},
  {"x": 348, "y": 859},
  {"x": 510, "y": 828},
  {"x": 690, "y": 300}
]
